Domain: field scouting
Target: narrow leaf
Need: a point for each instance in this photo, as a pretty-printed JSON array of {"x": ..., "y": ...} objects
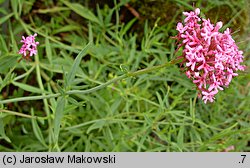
[
  {"x": 71, "y": 75},
  {"x": 52, "y": 10},
  {"x": 4, "y": 18},
  {"x": 6, "y": 62},
  {"x": 2, "y": 132},
  {"x": 14, "y": 5},
  {"x": 48, "y": 50},
  {"x": 3, "y": 45},
  {"x": 67, "y": 28},
  {"x": 13, "y": 40},
  {"x": 28, "y": 88},
  {"x": 97, "y": 125},
  {"x": 58, "y": 116},
  {"x": 82, "y": 11},
  {"x": 36, "y": 129},
  {"x": 180, "y": 137}
]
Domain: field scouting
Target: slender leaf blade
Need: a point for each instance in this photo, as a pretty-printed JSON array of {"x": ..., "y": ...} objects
[
  {"x": 28, "y": 88},
  {"x": 36, "y": 129},
  {"x": 5, "y": 18},
  {"x": 180, "y": 137},
  {"x": 97, "y": 125},
  {"x": 2, "y": 131},
  {"x": 7, "y": 62},
  {"x": 82, "y": 11},
  {"x": 48, "y": 50},
  {"x": 58, "y": 117},
  {"x": 71, "y": 75}
]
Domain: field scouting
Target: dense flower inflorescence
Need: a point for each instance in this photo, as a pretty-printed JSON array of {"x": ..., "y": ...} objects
[
  {"x": 29, "y": 46},
  {"x": 211, "y": 58}
]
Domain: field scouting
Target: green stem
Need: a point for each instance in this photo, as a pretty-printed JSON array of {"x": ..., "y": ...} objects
[
  {"x": 21, "y": 114},
  {"x": 150, "y": 69},
  {"x": 30, "y": 98},
  {"x": 45, "y": 101},
  {"x": 49, "y": 80},
  {"x": 97, "y": 87},
  {"x": 25, "y": 74},
  {"x": 129, "y": 74}
]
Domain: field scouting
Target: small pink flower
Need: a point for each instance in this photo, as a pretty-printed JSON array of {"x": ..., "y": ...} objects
[
  {"x": 209, "y": 96},
  {"x": 211, "y": 58},
  {"x": 29, "y": 47}
]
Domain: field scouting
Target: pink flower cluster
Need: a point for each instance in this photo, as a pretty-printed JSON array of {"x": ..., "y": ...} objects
[
  {"x": 211, "y": 58},
  {"x": 29, "y": 46}
]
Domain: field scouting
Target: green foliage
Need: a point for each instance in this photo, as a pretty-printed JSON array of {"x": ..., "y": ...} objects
[{"x": 83, "y": 48}]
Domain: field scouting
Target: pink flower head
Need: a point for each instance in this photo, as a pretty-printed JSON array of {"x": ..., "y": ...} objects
[
  {"x": 29, "y": 46},
  {"x": 211, "y": 58}
]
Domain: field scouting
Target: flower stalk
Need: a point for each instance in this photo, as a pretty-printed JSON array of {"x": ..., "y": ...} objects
[{"x": 91, "y": 90}]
